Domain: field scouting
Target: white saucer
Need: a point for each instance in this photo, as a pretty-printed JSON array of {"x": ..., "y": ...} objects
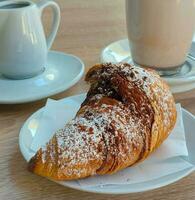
[
  {"x": 62, "y": 72},
  {"x": 28, "y": 132},
  {"x": 184, "y": 81}
]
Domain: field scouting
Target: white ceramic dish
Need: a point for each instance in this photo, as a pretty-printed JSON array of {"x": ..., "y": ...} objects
[
  {"x": 62, "y": 72},
  {"x": 28, "y": 131},
  {"x": 119, "y": 52}
]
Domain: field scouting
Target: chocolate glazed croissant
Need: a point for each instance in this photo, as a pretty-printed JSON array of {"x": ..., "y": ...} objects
[{"x": 127, "y": 114}]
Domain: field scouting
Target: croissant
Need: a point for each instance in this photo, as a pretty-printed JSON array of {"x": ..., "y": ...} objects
[{"x": 128, "y": 112}]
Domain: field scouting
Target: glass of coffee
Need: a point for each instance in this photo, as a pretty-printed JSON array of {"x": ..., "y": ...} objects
[{"x": 160, "y": 32}]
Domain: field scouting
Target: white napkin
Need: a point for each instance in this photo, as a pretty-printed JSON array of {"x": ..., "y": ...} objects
[
  {"x": 55, "y": 115},
  {"x": 168, "y": 159}
]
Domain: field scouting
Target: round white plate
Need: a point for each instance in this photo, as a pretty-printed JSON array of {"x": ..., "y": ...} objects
[
  {"x": 62, "y": 72},
  {"x": 28, "y": 131},
  {"x": 184, "y": 81}
]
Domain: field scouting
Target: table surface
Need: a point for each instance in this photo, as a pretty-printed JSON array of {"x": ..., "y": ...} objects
[{"x": 86, "y": 27}]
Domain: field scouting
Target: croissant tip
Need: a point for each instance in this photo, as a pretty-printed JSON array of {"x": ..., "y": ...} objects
[
  {"x": 32, "y": 164},
  {"x": 91, "y": 72}
]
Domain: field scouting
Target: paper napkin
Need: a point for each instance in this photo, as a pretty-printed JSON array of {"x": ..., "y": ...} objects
[{"x": 55, "y": 115}]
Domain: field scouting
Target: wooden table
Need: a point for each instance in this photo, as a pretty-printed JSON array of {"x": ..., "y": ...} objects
[{"x": 86, "y": 27}]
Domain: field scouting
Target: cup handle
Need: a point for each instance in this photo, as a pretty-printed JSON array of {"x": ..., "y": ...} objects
[{"x": 56, "y": 19}]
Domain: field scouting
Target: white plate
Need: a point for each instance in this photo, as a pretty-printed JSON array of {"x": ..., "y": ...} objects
[
  {"x": 28, "y": 131},
  {"x": 119, "y": 51},
  {"x": 62, "y": 72}
]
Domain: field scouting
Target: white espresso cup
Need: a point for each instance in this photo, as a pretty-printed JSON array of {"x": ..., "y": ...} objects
[
  {"x": 23, "y": 45},
  {"x": 160, "y": 32}
]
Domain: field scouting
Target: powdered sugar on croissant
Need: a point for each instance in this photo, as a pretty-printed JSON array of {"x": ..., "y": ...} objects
[{"x": 128, "y": 113}]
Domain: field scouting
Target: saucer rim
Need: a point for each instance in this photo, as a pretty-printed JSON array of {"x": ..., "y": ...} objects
[{"x": 54, "y": 91}]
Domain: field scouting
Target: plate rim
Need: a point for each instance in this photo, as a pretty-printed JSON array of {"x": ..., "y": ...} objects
[
  {"x": 92, "y": 189},
  {"x": 54, "y": 91}
]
